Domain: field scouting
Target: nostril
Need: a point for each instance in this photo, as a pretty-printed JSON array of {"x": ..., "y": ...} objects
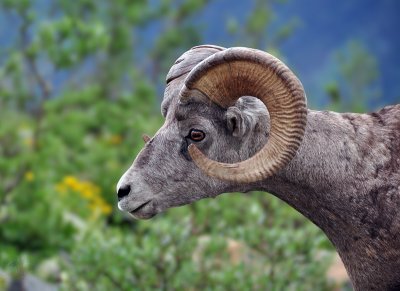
[{"x": 123, "y": 191}]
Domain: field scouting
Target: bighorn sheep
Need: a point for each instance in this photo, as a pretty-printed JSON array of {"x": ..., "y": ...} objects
[{"x": 342, "y": 171}]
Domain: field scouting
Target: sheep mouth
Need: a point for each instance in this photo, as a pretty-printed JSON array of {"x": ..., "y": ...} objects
[{"x": 141, "y": 212}]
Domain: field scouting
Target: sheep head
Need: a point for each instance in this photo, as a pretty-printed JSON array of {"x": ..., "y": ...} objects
[{"x": 216, "y": 138}]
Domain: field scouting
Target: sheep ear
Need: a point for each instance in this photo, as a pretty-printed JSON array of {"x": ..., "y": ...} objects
[{"x": 235, "y": 121}]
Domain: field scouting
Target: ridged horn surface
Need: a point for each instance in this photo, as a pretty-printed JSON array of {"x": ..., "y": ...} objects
[{"x": 226, "y": 76}]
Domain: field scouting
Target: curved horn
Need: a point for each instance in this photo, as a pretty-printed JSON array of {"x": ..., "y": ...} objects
[{"x": 230, "y": 74}]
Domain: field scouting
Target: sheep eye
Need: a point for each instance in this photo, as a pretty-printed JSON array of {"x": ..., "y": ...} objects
[{"x": 196, "y": 135}]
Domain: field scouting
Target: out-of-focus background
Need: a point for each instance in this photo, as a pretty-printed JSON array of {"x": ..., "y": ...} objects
[{"x": 81, "y": 80}]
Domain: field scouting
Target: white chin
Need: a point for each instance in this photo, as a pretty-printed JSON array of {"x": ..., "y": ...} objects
[{"x": 120, "y": 207}]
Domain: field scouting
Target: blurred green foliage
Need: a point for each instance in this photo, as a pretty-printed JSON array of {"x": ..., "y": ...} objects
[
  {"x": 358, "y": 72},
  {"x": 64, "y": 146}
]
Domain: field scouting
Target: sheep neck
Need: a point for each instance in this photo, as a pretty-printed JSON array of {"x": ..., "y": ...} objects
[{"x": 345, "y": 178}]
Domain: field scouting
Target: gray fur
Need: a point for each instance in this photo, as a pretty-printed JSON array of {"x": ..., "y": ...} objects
[{"x": 345, "y": 176}]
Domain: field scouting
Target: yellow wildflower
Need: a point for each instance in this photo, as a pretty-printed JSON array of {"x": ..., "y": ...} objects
[
  {"x": 101, "y": 206},
  {"x": 76, "y": 186},
  {"x": 88, "y": 191},
  {"x": 29, "y": 176},
  {"x": 106, "y": 208},
  {"x": 70, "y": 181}
]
